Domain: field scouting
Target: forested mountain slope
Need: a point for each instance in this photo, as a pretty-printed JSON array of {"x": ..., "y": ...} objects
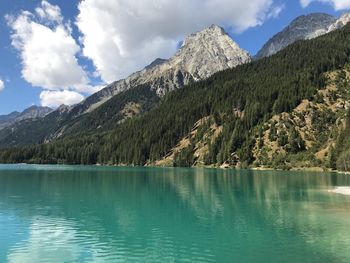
[
  {"x": 238, "y": 103},
  {"x": 63, "y": 122}
]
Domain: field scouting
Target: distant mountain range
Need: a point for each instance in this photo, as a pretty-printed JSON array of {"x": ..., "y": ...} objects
[
  {"x": 210, "y": 104},
  {"x": 33, "y": 112}
]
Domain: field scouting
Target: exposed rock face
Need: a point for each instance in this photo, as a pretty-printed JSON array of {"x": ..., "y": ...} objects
[
  {"x": 64, "y": 109},
  {"x": 8, "y": 117},
  {"x": 155, "y": 63},
  {"x": 33, "y": 112},
  {"x": 202, "y": 54},
  {"x": 341, "y": 22},
  {"x": 303, "y": 27}
]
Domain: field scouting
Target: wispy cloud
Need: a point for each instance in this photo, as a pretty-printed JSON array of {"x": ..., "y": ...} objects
[
  {"x": 337, "y": 4},
  {"x": 2, "y": 85}
]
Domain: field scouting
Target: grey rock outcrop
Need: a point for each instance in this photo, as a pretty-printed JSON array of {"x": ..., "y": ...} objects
[{"x": 341, "y": 22}]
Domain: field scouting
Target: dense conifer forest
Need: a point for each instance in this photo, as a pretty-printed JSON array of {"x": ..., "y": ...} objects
[{"x": 260, "y": 89}]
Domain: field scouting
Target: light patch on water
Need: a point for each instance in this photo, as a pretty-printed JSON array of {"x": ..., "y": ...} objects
[
  {"x": 344, "y": 190},
  {"x": 52, "y": 239}
]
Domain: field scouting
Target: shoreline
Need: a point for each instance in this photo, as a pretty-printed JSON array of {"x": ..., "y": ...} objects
[
  {"x": 295, "y": 169},
  {"x": 342, "y": 190}
]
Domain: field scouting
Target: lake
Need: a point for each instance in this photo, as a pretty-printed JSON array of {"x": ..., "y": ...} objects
[{"x": 105, "y": 214}]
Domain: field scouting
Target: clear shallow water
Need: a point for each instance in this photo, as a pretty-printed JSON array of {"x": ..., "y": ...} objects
[{"x": 91, "y": 214}]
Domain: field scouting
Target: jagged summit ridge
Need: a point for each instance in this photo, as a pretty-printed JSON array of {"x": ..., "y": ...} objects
[
  {"x": 341, "y": 22},
  {"x": 33, "y": 112},
  {"x": 303, "y": 27},
  {"x": 156, "y": 62},
  {"x": 205, "y": 52}
]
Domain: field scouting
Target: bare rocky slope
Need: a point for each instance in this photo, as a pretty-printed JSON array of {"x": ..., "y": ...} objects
[{"x": 302, "y": 28}]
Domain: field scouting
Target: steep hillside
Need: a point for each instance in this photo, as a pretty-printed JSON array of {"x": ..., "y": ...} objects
[
  {"x": 31, "y": 131},
  {"x": 4, "y": 119},
  {"x": 219, "y": 121},
  {"x": 192, "y": 149},
  {"x": 109, "y": 115},
  {"x": 307, "y": 135},
  {"x": 61, "y": 122}
]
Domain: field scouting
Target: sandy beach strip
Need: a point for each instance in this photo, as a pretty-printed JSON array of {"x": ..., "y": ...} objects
[{"x": 344, "y": 190}]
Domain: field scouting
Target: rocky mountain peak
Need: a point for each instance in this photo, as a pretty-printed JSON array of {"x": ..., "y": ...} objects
[
  {"x": 303, "y": 27},
  {"x": 206, "y": 52},
  {"x": 64, "y": 108},
  {"x": 313, "y": 18},
  {"x": 156, "y": 62},
  {"x": 202, "y": 54},
  {"x": 212, "y": 30},
  {"x": 37, "y": 110},
  {"x": 33, "y": 112}
]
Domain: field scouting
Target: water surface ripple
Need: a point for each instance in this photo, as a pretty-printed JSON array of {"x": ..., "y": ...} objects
[{"x": 100, "y": 214}]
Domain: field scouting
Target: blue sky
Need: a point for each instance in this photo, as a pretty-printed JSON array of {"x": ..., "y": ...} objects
[{"x": 65, "y": 50}]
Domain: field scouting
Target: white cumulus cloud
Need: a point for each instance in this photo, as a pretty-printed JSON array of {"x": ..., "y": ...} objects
[
  {"x": 122, "y": 36},
  {"x": 48, "y": 52},
  {"x": 2, "y": 85},
  {"x": 56, "y": 98},
  {"x": 49, "y": 12},
  {"x": 337, "y": 4}
]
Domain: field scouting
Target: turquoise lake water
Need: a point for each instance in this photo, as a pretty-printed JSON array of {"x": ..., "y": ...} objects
[{"x": 97, "y": 214}]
